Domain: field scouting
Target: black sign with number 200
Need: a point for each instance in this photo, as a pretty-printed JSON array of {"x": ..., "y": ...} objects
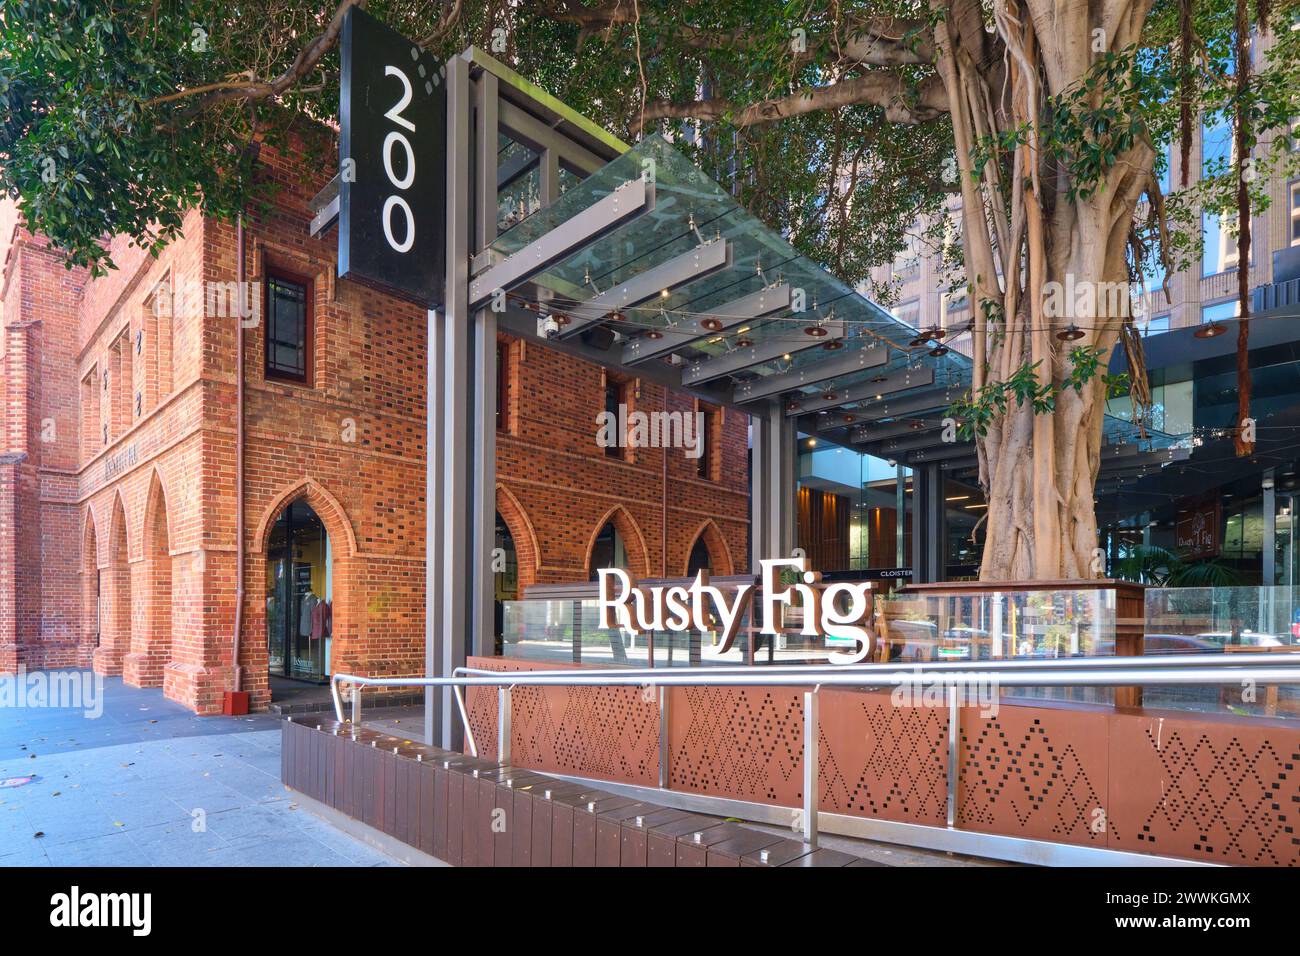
[{"x": 392, "y": 162}]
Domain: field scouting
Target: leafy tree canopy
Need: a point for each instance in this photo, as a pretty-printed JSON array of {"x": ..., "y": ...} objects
[{"x": 827, "y": 120}]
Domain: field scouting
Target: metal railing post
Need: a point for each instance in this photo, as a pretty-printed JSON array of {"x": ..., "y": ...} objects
[
  {"x": 503, "y": 725},
  {"x": 356, "y": 705},
  {"x": 811, "y": 780},
  {"x": 954, "y": 725}
]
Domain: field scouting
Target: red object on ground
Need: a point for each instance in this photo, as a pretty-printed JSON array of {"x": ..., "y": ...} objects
[{"x": 234, "y": 703}]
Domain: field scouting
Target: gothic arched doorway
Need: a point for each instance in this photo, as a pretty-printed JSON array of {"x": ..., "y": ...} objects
[
  {"x": 700, "y": 560},
  {"x": 299, "y": 595},
  {"x": 607, "y": 551}
]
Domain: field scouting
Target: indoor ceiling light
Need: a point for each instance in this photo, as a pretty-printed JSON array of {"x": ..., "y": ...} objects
[
  {"x": 1070, "y": 333},
  {"x": 833, "y": 345},
  {"x": 816, "y": 331},
  {"x": 1210, "y": 331},
  {"x": 712, "y": 324}
]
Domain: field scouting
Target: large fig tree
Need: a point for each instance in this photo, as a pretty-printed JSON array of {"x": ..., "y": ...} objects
[{"x": 840, "y": 123}]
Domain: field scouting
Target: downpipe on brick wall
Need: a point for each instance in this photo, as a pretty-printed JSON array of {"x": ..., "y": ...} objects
[{"x": 244, "y": 304}]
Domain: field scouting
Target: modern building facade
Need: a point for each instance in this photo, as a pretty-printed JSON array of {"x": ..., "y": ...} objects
[{"x": 118, "y": 515}]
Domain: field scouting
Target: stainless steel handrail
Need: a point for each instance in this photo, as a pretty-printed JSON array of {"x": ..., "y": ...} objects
[
  {"x": 1128, "y": 671},
  {"x": 1069, "y": 672},
  {"x": 1154, "y": 661}
]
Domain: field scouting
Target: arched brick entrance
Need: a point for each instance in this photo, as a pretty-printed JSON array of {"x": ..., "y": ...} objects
[
  {"x": 343, "y": 569},
  {"x": 711, "y": 536},
  {"x": 115, "y": 620},
  {"x": 151, "y": 637}
]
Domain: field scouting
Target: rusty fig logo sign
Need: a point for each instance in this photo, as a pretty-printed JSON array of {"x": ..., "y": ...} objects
[
  {"x": 838, "y": 612},
  {"x": 1197, "y": 532}
]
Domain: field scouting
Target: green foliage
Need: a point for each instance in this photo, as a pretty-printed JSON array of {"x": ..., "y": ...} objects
[
  {"x": 977, "y": 412},
  {"x": 1150, "y": 564},
  {"x": 89, "y": 150},
  {"x": 79, "y": 81}
]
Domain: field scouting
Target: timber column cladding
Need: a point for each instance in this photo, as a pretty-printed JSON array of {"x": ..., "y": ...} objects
[{"x": 771, "y": 477}]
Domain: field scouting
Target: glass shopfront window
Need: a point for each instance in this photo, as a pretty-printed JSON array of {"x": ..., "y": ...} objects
[
  {"x": 853, "y": 511},
  {"x": 299, "y": 595},
  {"x": 965, "y": 507}
]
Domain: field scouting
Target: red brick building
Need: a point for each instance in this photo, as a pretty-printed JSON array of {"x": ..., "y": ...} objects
[{"x": 117, "y": 470}]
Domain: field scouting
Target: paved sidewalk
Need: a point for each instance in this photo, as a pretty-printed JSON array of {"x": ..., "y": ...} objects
[{"x": 147, "y": 783}]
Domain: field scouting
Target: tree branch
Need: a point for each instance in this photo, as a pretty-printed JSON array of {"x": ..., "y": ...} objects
[
  {"x": 874, "y": 41},
  {"x": 254, "y": 89},
  {"x": 884, "y": 89}
]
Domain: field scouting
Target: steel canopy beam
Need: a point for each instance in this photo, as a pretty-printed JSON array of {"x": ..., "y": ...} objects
[
  {"x": 735, "y": 313},
  {"x": 952, "y": 450},
  {"x": 628, "y": 201},
  {"x": 923, "y": 438},
  {"x": 1142, "y": 461},
  {"x": 681, "y": 270},
  {"x": 706, "y": 370},
  {"x": 867, "y": 434},
  {"x": 523, "y": 325},
  {"x": 898, "y": 381},
  {"x": 846, "y": 364},
  {"x": 868, "y": 391}
]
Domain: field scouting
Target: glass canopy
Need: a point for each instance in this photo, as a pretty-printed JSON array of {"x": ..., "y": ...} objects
[
  {"x": 689, "y": 211},
  {"x": 826, "y": 321}
]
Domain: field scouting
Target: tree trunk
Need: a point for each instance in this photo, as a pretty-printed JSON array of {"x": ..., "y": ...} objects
[{"x": 1026, "y": 231}]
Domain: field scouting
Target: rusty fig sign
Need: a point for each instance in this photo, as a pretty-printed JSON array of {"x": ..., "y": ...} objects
[
  {"x": 1197, "y": 532},
  {"x": 838, "y": 612}
]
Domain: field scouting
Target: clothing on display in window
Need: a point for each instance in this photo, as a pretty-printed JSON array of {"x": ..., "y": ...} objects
[
  {"x": 322, "y": 620},
  {"x": 309, "y": 602}
]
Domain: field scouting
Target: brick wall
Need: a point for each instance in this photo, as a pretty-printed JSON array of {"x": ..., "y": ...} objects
[
  {"x": 557, "y": 487},
  {"x": 118, "y": 537},
  {"x": 40, "y": 594}
]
